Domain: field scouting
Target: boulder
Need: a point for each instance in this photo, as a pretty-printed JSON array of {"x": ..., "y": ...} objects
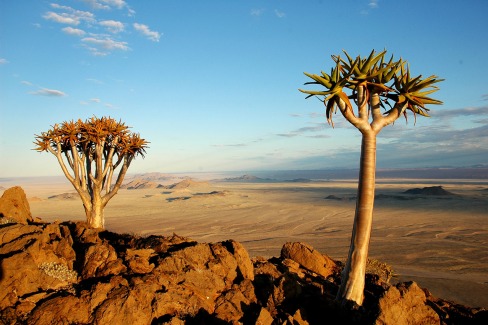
[
  {"x": 309, "y": 258},
  {"x": 138, "y": 260},
  {"x": 14, "y": 206},
  {"x": 403, "y": 304},
  {"x": 34, "y": 259},
  {"x": 101, "y": 260}
]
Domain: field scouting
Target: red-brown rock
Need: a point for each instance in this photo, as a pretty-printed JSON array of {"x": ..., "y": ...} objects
[
  {"x": 14, "y": 206},
  {"x": 405, "y": 304},
  {"x": 309, "y": 258}
]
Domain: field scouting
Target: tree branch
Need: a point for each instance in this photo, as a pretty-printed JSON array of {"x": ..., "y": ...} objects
[
  {"x": 389, "y": 118},
  {"x": 120, "y": 178},
  {"x": 349, "y": 116}
]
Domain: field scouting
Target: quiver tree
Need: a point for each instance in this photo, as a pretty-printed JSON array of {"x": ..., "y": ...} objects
[
  {"x": 371, "y": 84},
  {"x": 89, "y": 154}
]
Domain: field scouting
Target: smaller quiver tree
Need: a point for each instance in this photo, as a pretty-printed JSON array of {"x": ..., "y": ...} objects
[{"x": 89, "y": 153}]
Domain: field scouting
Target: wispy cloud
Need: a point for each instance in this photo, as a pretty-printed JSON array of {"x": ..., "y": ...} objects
[
  {"x": 68, "y": 15},
  {"x": 106, "y": 4},
  {"x": 62, "y": 19},
  {"x": 144, "y": 29},
  {"x": 279, "y": 14},
  {"x": 73, "y": 31},
  {"x": 112, "y": 26},
  {"x": 48, "y": 92},
  {"x": 103, "y": 46},
  {"x": 95, "y": 81},
  {"x": 97, "y": 102},
  {"x": 306, "y": 129},
  {"x": 85, "y": 25},
  {"x": 372, "y": 4},
  {"x": 257, "y": 12},
  {"x": 230, "y": 145},
  {"x": 461, "y": 112},
  {"x": 3, "y": 61}
]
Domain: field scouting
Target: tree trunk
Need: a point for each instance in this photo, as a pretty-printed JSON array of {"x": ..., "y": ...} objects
[
  {"x": 353, "y": 276},
  {"x": 94, "y": 213}
]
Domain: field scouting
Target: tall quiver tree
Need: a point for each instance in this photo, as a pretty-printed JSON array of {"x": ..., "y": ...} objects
[
  {"x": 89, "y": 153},
  {"x": 371, "y": 84}
]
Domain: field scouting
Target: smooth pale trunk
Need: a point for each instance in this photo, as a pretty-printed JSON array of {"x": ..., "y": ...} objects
[
  {"x": 94, "y": 214},
  {"x": 353, "y": 276}
]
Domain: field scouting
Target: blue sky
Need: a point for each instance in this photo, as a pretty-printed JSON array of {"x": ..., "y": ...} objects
[{"x": 213, "y": 84}]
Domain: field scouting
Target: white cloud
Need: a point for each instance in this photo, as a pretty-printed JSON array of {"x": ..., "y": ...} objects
[
  {"x": 101, "y": 47},
  {"x": 373, "y": 4},
  {"x": 27, "y": 83},
  {"x": 144, "y": 29},
  {"x": 73, "y": 31},
  {"x": 69, "y": 15},
  {"x": 3, "y": 61},
  {"x": 112, "y": 26},
  {"x": 48, "y": 92},
  {"x": 95, "y": 100},
  {"x": 62, "y": 19},
  {"x": 119, "y": 4},
  {"x": 279, "y": 14},
  {"x": 106, "y": 4}
]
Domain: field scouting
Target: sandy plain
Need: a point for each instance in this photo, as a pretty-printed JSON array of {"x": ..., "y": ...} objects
[{"x": 441, "y": 242}]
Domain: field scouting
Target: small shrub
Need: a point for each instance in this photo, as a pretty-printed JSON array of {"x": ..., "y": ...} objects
[
  {"x": 59, "y": 271},
  {"x": 383, "y": 270},
  {"x": 6, "y": 220}
]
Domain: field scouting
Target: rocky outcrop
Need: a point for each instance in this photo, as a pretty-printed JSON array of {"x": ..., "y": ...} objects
[
  {"x": 68, "y": 273},
  {"x": 307, "y": 257},
  {"x": 14, "y": 206},
  {"x": 429, "y": 190}
]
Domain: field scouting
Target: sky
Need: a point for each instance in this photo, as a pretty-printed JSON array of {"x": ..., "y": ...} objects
[{"x": 213, "y": 85}]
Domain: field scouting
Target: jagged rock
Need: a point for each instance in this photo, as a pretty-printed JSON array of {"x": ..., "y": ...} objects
[
  {"x": 14, "y": 206},
  {"x": 61, "y": 309},
  {"x": 85, "y": 234},
  {"x": 264, "y": 317},
  {"x": 69, "y": 273},
  {"x": 101, "y": 260},
  {"x": 34, "y": 259},
  {"x": 309, "y": 258},
  {"x": 232, "y": 304},
  {"x": 138, "y": 260},
  {"x": 405, "y": 303}
]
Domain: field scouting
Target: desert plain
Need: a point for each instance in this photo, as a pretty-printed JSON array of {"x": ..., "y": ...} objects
[{"x": 439, "y": 241}]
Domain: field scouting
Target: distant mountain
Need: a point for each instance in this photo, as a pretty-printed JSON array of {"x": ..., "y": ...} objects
[
  {"x": 299, "y": 180},
  {"x": 139, "y": 184},
  {"x": 187, "y": 183},
  {"x": 154, "y": 177},
  {"x": 64, "y": 196},
  {"x": 247, "y": 179},
  {"x": 430, "y": 190}
]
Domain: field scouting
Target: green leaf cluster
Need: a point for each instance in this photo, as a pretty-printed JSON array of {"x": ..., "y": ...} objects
[{"x": 390, "y": 79}]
